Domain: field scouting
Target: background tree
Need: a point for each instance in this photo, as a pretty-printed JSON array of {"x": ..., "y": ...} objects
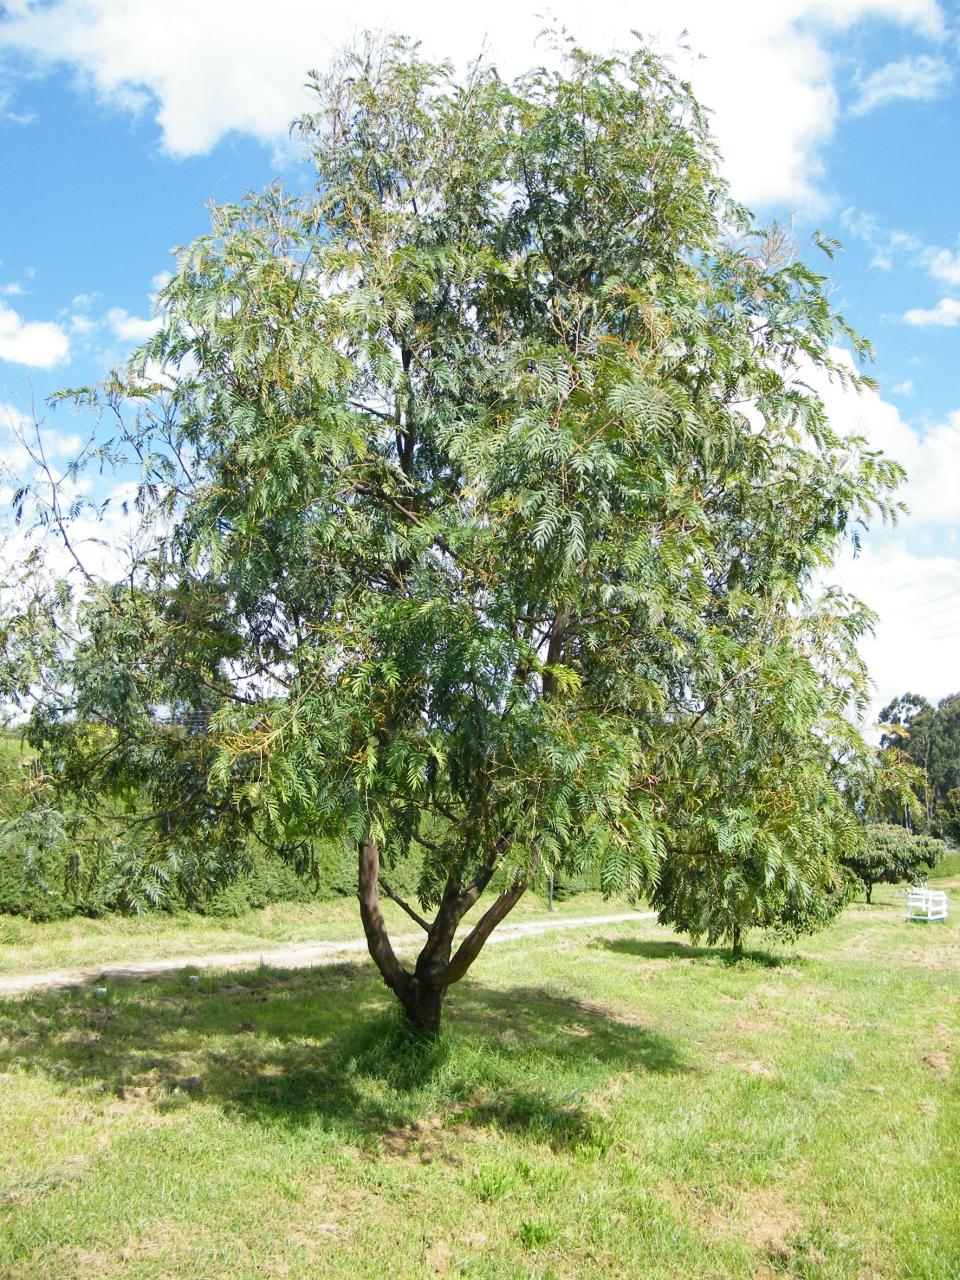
[
  {"x": 891, "y": 854},
  {"x": 929, "y": 737},
  {"x": 948, "y": 816},
  {"x": 482, "y": 490}
]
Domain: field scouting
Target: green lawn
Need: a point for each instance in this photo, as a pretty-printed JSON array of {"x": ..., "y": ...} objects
[
  {"x": 26, "y": 947},
  {"x": 606, "y": 1103}
]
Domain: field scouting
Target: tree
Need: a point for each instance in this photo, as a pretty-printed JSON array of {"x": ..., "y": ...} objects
[
  {"x": 484, "y": 490},
  {"x": 930, "y": 737},
  {"x": 760, "y": 843},
  {"x": 948, "y": 815},
  {"x": 891, "y": 854}
]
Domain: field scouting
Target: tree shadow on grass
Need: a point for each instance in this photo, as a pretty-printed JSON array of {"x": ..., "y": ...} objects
[
  {"x": 664, "y": 949},
  {"x": 326, "y": 1047}
]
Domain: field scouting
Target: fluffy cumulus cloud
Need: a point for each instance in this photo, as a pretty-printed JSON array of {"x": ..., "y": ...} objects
[
  {"x": 766, "y": 71},
  {"x": 931, "y": 456},
  {"x": 917, "y": 601},
  {"x": 130, "y": 328},
  {"x": 903, "y": 574},
  {"x": 919, "y": 79},
  {"x": 943, "y": 265},
  {"x": 946, "y": 314},
  {"x": 37, "y": 343}
]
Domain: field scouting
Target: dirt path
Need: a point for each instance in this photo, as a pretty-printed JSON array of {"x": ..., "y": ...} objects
[{"x": 293, "y": 955}]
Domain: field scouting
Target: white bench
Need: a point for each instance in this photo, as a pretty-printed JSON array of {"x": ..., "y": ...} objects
[{"x": 926, "y": 904}]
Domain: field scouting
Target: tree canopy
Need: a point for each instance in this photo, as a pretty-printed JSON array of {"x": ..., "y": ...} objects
[
  {"x": 929, "y": 737},
  {"x": 481, "y": 492},
  {"x": 891, "y": 854}
]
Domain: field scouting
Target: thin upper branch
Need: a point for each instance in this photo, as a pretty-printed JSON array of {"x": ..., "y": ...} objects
[{"x": 404, "y": 906}]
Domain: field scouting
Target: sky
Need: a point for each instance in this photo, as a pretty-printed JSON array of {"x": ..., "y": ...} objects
[{"x": 120, "y": 120}]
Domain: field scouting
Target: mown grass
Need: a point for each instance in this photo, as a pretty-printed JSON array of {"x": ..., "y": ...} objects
[
  {"x": 28, "y": 947},
  {"x": 608, "y": 1103}
]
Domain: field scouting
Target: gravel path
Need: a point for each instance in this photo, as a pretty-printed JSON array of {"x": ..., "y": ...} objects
[{"x": 293, "y": 955}]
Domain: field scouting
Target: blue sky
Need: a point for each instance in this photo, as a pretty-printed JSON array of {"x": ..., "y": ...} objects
[{"x": 121, "y": 119}]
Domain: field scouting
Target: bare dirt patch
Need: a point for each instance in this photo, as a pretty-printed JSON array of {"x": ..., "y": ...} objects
[
  {"x": 940, "y": 1064},
  {"x": 752, "y": 1066},
  {"x": 767, "y": 1222},
  {"x": 420, "y": 1140},
  {"x": 623, "y": 1017},
  {"x": 762, "y": 1218}
]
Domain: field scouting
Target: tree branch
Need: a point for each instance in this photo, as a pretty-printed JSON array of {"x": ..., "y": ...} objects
[
  {"x": 404, "y": 906},
  {"x": 472, "y": 944},
  {"x": 374, "y": 926}
]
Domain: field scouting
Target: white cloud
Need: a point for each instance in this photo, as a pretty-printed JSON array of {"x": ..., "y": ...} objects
[
  {"x": 11, "y": 290},
  {"x": 15, "y": 427},
  {"x": 13, "y": 117},
  {"x": 37, "y": 343},
  {"x": 130, "y": 328},
  {"x": 206, "y": 69},
  {"x": 884, "y": 244},
  {"x": 944, "y": 265},
  {"x": 914, "y": 645},
  {"x": 945, "y": 314},
  {"x": 903, "y": 388},
  {"x": 919, "y": 79},
  {"x": 891, "y": 574},
  {"x": 931, "y": 457}
]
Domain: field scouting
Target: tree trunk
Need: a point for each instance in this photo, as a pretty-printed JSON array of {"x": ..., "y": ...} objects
[
  {"x": 422, "y": 1003},
  {"x": 869, "y": 892},
  {"x": 421, "y": 992},
  {"x": 736, "y": 942}
]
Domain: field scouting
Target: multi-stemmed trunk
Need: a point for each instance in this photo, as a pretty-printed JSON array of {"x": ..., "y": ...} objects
[{"x": 421, "y": 990}]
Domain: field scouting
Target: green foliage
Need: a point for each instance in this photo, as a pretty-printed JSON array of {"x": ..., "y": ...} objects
[
  {"x": 930, "y": 738},
  {"x": 948, "y": 815},
  {"x": 482, "y": 495},
  {"x": 949, "y": 865},
  {"x": 891, "y": 854}
]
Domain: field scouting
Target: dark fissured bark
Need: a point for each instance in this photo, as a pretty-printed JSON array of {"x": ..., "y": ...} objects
[
  {"x": 421, "y": 992},
  {"x": 869, "y": 892},
  {"x": 423, "y": 1004},
  {"x": 736, "y": 942}
]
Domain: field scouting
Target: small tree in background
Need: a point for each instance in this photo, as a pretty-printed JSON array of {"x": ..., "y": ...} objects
[
  {"x": 481, "y": 492},
  {"x": 891, "y": 854}
]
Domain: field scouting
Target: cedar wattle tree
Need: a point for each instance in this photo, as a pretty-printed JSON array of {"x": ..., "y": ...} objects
[{"x": 481, "y": 495}]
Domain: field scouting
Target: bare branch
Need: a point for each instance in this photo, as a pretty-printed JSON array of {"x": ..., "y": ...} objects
[{"x": 404, "y": 906}]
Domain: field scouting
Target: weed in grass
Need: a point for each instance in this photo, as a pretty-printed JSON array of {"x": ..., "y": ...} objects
[
  {"x": 495, "y": 1183},
  {"x": 534, "y": 1233}
]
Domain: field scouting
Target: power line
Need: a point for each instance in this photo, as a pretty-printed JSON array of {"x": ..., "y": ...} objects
[
  {"x": 925, "y": 617},
  {"x": 936, "y": 599},
  {"x": 939, "y": 626}
]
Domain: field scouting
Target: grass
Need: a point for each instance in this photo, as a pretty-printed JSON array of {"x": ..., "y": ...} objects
[
  {"x": 26, "y": 947},
  {"x": 609, "y": 1103}
]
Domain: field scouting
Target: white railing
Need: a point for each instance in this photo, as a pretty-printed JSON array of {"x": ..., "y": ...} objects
[{"x": 926, "y": 904}]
